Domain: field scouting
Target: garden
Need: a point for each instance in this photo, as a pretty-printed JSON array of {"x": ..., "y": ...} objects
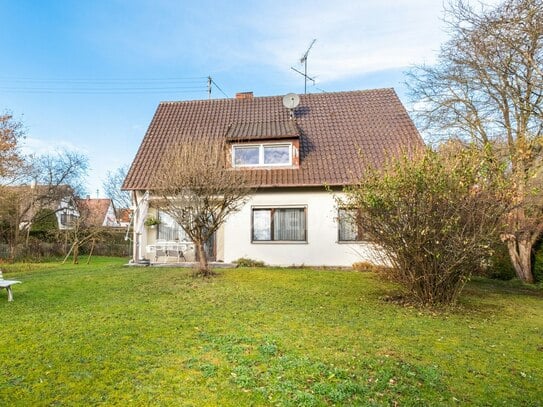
[{"x": 105, "y": 333}]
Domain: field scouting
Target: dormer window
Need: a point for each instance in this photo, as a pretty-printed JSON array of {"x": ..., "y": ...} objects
[
  {"x": 264, "y": 145},
  {"x": 262, "y": 155}
]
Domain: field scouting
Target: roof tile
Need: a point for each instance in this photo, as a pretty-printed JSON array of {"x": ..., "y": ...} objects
[{"x": 340, "y": 134}]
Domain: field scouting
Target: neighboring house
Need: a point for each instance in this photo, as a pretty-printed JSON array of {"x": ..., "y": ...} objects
[
  {"x": 97, "y": 212},
  {"x": 31, "y": 199},
  {"x": 67, "y": 213},
  {"x": 297, "y": 160}
]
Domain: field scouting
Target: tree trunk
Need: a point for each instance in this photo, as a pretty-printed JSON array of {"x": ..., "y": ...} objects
[
  {"x": 91, "y": 250},
  {"x": 520, "y": 251},
  {"x": 202, "y": 258},
  {"x": 76, "y": 253}
]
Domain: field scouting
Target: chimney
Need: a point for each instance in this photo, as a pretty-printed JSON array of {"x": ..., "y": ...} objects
[{"x": 244, "y": 95}]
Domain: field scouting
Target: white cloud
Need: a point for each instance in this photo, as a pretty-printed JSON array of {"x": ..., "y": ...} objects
[
  {"x": 33, "y": 145},
  {"x": 353, "y": 38}
]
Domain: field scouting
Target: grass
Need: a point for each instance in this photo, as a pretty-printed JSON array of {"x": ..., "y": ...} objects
[{"x": 105, "y": 334}]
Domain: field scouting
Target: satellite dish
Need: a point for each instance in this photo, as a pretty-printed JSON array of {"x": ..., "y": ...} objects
[{"x": 291, "y": 100}]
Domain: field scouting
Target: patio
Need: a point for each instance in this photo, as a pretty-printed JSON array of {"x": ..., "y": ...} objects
[{"x": 168, "y": 253}]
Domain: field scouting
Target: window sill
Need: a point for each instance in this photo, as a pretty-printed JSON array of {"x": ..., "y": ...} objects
[
  {"x": 275, "y": 242},
  {"x": 266, "y": 167}
]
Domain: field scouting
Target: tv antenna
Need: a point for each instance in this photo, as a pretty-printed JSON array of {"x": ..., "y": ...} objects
[{"x": 303, "y": 60}]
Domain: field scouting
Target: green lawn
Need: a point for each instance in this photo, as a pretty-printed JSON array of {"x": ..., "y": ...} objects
[{"x": 106, "y": 334}]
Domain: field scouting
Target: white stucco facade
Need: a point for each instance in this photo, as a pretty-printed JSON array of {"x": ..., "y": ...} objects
[{"x": 321, "y": 248}]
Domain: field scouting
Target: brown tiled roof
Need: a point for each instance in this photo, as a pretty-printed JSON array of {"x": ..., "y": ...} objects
[
  {"x": 262, "y": 131},
  {"x": 93, "y": 211},
  {"x": 341, "y": 133}
]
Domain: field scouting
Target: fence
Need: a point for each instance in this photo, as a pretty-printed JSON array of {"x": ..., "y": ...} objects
[{"x": 38, "y": 250}]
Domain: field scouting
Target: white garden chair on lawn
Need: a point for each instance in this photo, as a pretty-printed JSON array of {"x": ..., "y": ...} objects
[{"x": 7, "y": 285}]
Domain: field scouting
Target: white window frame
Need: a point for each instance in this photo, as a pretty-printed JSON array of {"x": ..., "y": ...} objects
[
  {"x": 359, "y": 233},
  {"x": 271, "y": 208},
  {"x": 261, "y": 147}
]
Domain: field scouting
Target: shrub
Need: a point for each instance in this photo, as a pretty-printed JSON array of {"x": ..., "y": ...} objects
[
  {"x": 538, "y": 261},
  {"x": 435, "y": 216},
  {"x": 45, "y": 221},
  {"x": 499, "y": 266},
  {"x": 245, "y": 262}
]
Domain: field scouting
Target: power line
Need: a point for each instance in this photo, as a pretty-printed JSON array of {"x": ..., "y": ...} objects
[
  {"x": 102, "y": 85},
  {"x": 218, "y": 87},
  {"x": 90, "y": 86},
  {"x": 101, "y": 91},
  {"x": 102, "y": 80}
]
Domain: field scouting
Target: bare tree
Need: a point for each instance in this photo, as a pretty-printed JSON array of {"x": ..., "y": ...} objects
[
  {"x": 112, "y": 188},
  {"x": 488, "y": 86},
  {"x": 83, "y": 230},
  {"x": 43, "y": 182},
  {"x": 63, "y": 167},
  {"x": 199, "y": 189}
]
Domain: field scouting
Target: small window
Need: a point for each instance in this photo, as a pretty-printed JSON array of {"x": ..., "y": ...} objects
[
  {"x": 262, "y": 155},
  {"x": 349, "y": 225},
  {"x": 246, "y": 155},
  {"x": 277, "y": 155},
  {"x": 279, "y": 224},
  {"x": 67, "y": 219}
]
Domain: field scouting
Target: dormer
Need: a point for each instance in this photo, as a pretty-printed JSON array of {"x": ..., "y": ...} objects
[{"x": 264, "y": 145}]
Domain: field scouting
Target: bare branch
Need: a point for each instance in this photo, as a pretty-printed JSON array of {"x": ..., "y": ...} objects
[
  {"x": 199, "y": 189},
  {"x": 488, "y": 87}
]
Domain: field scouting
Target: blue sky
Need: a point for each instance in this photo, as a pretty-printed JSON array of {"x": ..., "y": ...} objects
[{"x": 74, "y": 71}]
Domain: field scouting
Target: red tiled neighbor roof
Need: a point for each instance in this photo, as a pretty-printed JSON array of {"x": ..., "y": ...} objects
[
  {"x": 93, "y": 211},
  {"x": 340, "y": 134}
]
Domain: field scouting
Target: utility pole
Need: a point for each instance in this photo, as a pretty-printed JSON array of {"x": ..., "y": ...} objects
[{"x": 209, "y": 82}]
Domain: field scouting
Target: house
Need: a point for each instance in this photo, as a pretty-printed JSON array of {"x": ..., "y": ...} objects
[
  {"x": 33, "y": 200},
  {"x": 97, "y": 212},
  {"x": 297, "y": 159}
]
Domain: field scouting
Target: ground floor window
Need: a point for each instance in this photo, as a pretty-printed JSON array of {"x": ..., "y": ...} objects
[
  {"x": 169, "y": 229},
  {"x": 68, "y": 219},
  {"x": 349, "y": 228},
  {"x": 279, "y": 224}
]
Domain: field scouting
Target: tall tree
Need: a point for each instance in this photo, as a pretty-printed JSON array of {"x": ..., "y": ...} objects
[
  {"x": 11, "y": 161},
  {"x": 11, "y": 133},
  {"x": 112, "y": 188},
  {"x": 487, "y": 85},
  {"x": 63, "y": 167},
  {"x": 199, "y": 190}
]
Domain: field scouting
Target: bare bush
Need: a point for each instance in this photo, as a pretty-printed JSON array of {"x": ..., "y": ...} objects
[{"x": 435, "y": 216}]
